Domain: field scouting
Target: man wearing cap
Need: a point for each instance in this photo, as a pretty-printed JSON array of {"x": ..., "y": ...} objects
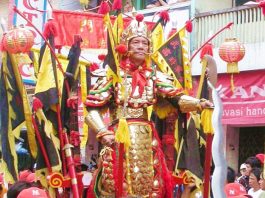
[
  {"x": 251, "y": 162},
  {"x": 33, "y": 192},
  {"x": 135, "y": 168},
  {"x": 243, "y": 169},
  {"x": 235, "y": 190}
]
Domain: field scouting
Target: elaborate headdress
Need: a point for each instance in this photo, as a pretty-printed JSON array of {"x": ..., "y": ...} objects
[{"x": 136, "y": 28}]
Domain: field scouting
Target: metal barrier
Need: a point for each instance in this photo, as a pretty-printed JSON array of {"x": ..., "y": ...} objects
[{"x": 249, "y": 25}]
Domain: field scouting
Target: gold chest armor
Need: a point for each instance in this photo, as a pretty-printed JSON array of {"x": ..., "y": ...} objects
[{"x": 124, "y": 92}]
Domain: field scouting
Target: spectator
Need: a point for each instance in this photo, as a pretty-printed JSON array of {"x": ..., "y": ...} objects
[
  {"x": 28, "y": 176},
  {"x": 262, "y": 184},
  {"x": 251, "y": 162},
  {"x": 254, "y": 178},
  {"x": 243, "y": 169},
  {"x": 235, "y": 190},
  {"x": 17, "y": 187},
  {"x": 33, "y": 192}
]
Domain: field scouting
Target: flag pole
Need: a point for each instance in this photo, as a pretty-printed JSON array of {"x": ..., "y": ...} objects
[
  {"x": 57, "y": 106},
  {"x": 42, "y": 147},
  {"x": 211, "y": 38}
]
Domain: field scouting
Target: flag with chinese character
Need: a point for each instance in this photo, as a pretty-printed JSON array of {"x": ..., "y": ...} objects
[{"x": 173, "y": 58}]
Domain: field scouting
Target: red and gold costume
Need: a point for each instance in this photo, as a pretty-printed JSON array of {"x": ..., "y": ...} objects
[{"x": 141, "y": 167}]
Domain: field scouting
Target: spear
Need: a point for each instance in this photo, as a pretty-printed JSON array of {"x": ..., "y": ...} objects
[{"x": 211, "y": 38}]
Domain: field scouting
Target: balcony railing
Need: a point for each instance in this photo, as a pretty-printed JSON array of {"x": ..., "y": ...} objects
[{"x": 249, "y": 25}]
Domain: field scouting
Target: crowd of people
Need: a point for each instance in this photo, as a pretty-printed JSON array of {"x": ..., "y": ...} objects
[
  {"x": 250, "y": 182},
  {"x": 27, "y": 185}
]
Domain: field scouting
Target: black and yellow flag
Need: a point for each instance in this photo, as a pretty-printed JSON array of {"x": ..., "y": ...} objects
[
  {"x": 15, "y": 113},
  {"x": 47, "y": 92},
  {"x": 46, "y": 85},
  {"x": 157, "y": 36},
  {"x": 112, "y": 57},
  {"x": 173, "y": 58}
]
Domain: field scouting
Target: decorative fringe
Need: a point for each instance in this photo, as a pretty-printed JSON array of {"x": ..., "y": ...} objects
[
  {"x": 93, "y": 67},
  {"x": 121, "y": 49},
  {"x": 206, "y": 121},
  {"x": 207, "y": 49},
  {"x": 104, "y": 8},
  {"x": 50, "y": 29},
  {"x": 139, "y": 17},
  {"x": 37, "y": 104},
  {"x": 122, "y": 134},
  {"x": 164, "y": 16},
  {"x": 232, "y": 83},
  {"x": 232, "y": 67},
  {"x": 117, "y": 5},
  {"x": 189, "y": 26},
  {"x": 149, "y": 112}
]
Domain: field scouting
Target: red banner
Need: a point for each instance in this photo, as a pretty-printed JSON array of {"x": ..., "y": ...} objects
[
  {"x": 246, "y": 105},
  {"x": 89, "y": 25}
]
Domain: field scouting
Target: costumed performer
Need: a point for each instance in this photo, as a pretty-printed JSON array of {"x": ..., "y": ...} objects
[{"x": 134, "y": 167}]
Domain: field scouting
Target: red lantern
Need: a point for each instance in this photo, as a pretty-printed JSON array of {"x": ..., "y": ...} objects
[
  {"x": 18, "y": 40},
  {"x": 232, "y": 52}
]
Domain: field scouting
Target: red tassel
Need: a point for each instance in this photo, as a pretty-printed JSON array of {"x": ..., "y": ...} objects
[
  {"x": 139, "y": 17},
  {"x": 207, "y": 49},
  {"x": 101, "y": 57},
  {"x": 104, "y": 8},
  {"x": 93, "y": 67},
  {"x": 164, "y": 15},
  {"x": 121, "y": 49},
  {"x": 49, "y": 29},
  {"x": 117, "y": 5},
  {"x": 262, "y": 5},
  {"x": 189, "y": 26},
  {"x": 36, "y": 104}
]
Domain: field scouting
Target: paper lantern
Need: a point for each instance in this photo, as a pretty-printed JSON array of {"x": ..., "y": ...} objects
[
  {"x": 18, "y": 40},
  {"x": 232, "y": 51}
]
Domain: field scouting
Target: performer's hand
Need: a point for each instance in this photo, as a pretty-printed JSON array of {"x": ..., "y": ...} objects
[
  {"x": 206, "y": 104},
  {"x": 108, "y": 140}
]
